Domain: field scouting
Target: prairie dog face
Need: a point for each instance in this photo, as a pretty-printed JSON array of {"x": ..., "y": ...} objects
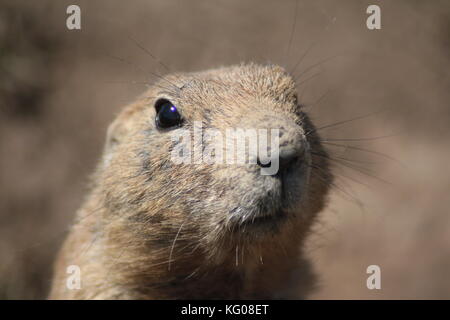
[{"x": 163, "y": 167}]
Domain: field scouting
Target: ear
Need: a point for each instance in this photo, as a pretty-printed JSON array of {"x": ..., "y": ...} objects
[
  {"x": 116, "y": 133},
  {"x": 119, "y": 128},
  {"x": 114, "y": 136}
]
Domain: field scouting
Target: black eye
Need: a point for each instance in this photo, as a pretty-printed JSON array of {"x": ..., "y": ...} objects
[{"x": 167, "y": 115}]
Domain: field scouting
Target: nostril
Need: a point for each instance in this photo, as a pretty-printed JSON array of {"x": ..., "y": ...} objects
[
  {"x": 263, "y": 165},
  {"x": 284, "y": 162},
  {"x": 287, "y": 162}
]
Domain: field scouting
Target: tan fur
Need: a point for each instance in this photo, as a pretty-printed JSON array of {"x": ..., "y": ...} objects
[{"x": 141, "y": 202}]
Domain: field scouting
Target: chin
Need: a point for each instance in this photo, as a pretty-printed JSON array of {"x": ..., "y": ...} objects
[{"x": 280, "y": 199}]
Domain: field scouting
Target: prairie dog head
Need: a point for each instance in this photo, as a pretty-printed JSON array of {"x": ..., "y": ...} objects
[{"x": 161, "y": 172}]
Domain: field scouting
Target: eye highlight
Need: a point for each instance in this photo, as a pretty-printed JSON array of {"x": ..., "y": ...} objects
[{"x": 167, "y": 115}]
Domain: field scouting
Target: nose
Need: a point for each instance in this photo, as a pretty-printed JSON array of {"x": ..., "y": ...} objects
[
  {"x": 288, "y": 156},
  {"x": 290, "y": 149}
]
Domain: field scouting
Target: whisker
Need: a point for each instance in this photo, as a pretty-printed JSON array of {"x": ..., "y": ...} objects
[
  {"x": 305, "y": 53},
  {"x": 364, "y": 171},
  {"x": 353, "y": 179},
  {"x": 149, "y": 53},
  {"x": 129, "y": 82},
  {"x": 318, "y": 40},
  {"x": 307, "y": 79},
  {"x": 337, "y": 187},
  {"x": 173, "y": 243},
  {"x": 132, "y": 82},
  {"x": 358, "y": 170},
  {"x": 377, "y": 153},
  {"x": 300, "y": 97},
  {"x": 340, "y": 158},
  {"x": 123, "y": 30},
  {"x": 345, "y": 121},
  {"x": 317, "y": 64},
  {"x": 363, "y": 139},
  {"x": 352, "y": 166},
  {"x": 322, "y": 97},
  {"x": 142, "y": 70},
  {"x": 292, "y": 30}
]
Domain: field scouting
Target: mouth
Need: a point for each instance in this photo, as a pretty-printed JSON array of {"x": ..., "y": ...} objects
[
  {"x": 265, "y": 222},
  {"x": 268, "y": 222}
]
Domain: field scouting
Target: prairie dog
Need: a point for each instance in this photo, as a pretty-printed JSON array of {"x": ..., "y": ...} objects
[{"x": 154, "y": 229}]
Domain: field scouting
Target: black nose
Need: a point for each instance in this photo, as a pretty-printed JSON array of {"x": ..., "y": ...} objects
[
  {"x": 287, "y": 158},
  {"x": 287, "y": 152},
  {"x": 263, "y": 165}
]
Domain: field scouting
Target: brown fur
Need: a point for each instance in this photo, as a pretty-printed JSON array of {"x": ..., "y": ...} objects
[{"x": 151, "y": 229}]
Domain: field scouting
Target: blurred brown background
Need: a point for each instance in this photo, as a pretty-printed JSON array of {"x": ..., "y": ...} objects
[{"x": 59, "y": 89}]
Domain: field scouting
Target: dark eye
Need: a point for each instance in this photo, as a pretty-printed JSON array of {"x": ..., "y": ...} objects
[{"x": 167, "y": 115}]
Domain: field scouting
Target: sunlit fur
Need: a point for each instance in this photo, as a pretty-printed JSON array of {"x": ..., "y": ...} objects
[{"x": 151, "y": 229}]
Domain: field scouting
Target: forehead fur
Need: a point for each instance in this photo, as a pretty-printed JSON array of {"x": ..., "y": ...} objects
[{"x": 264, "y": 81}]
